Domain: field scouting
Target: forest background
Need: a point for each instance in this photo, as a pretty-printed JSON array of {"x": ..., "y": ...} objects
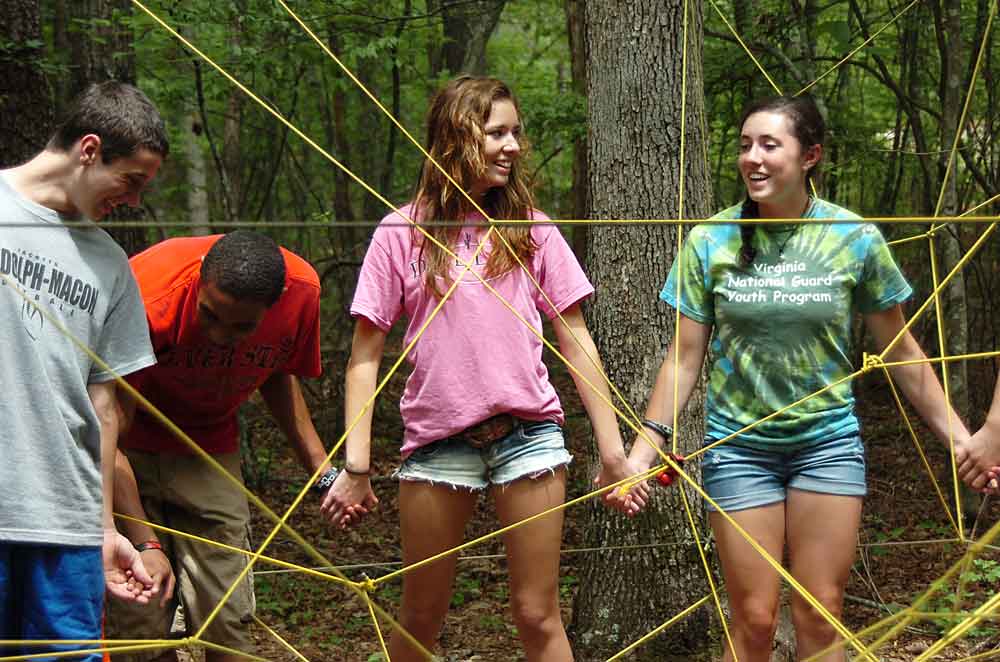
[{"x": 600, "y": 86}]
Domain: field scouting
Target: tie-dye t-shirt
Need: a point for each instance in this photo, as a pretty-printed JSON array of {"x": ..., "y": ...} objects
[{"x": 782, "y": 326}]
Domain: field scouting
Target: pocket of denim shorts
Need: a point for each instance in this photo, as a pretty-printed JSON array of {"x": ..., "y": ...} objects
[{"x": 430, "y": 450}]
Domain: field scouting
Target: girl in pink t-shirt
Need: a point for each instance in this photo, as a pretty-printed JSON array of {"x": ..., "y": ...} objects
[{"x": 478, "y": 408}]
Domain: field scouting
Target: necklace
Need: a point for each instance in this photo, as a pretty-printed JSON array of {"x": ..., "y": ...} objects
[
  {"x": 781, "y": 249},
  {"x": 805, "y": 213}
]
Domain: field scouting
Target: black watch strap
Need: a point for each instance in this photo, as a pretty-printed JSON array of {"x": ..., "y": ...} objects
[{"x": 324, "y": 482}]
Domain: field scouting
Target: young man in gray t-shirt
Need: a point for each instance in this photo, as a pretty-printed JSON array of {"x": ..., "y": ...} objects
[{"x": 66, "y": 290}]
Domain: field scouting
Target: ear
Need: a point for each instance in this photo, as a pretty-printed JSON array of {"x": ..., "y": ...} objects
[
  {"x": 90, "y": 149},
  {"x": 812, "y": 156}
]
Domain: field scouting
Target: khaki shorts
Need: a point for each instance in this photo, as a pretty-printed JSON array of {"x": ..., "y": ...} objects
[{"x": 184, "y": 493}]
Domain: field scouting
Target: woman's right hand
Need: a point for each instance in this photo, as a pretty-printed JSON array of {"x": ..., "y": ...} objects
[{"x": 348, "y": 500}]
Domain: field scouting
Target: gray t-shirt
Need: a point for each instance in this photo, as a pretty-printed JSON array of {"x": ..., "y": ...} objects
[{"x": 50, "y": 450}]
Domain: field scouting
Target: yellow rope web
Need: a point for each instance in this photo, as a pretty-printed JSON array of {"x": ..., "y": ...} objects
[{"x": 866, "y": 642}]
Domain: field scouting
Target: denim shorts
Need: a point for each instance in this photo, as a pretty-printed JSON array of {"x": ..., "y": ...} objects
[
  {"x": 738, "y": 477},
  {"x": 530, "y": 450}
]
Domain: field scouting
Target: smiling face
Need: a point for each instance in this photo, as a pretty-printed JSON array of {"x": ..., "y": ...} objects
[
  {"x": 774, "y": 164},
  {"x": 501, "y": 148},
  {"x": 104, "y": 186}
]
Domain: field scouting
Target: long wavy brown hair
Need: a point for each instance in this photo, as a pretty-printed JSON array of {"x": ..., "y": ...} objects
[{"x": 455, "y": 139}]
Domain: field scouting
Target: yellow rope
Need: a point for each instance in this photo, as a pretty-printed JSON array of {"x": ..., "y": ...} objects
[
  {"x": 987, "y": 608},
  {"x": 493, "y": 534},
  {"x": 923, "y": 456},
  {"x": 965, "y": 107},
  {"x": 857, "y": 636},
  {"x": 973, "y": 550},
  {"x": 228, "y": 651},
  {"x": 988, "y": 655},
  {"x": 378, "y": 629},
  {"x": 961, "y": 263},
  {"x": 897, "y": 242},
  {"x": 281, "y": 640},
  {"x": 943, "y": 351},
  {"x": 708, "y": 574},
  {"x": 889, "y": 220},
  {"x": 336, "y": 447},
  {"x": 239, "y": 550},
  {"x": 92, "y": 651},
  {"x": 619, "y": 413},
  {"x": 513, "y": 253},
  {"x": 631, "y": 647},
  {"x": 746, "y": 48},
  {"x": 175, "y": 430},
  {"x": 854, "y": 52}
]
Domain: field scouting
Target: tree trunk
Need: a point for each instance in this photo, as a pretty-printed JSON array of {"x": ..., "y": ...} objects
[
  {"x": 635, "y": 68},
  {"x": 25, "y": 98},
  {"x": 578, "y": 59},
  {"x": 954, "y": 311},
  {"x": 197, "y": 176},
  {"x": 955, "y": 318},
  {"x": 467, "y": 26},
  {"x": 232, "y": 161}
]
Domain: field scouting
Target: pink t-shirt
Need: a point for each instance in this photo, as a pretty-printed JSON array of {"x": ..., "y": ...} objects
[{"x": 475, "y": 360}]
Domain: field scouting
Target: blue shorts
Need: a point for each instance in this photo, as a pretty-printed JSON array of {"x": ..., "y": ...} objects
[
  {"x": 50, "y": 592},
  {"x": 531, "y": 449},
  {"x": 739, "y": 477}
]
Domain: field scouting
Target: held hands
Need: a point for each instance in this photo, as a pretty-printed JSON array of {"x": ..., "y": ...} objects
[
  {"x": 348, "y": 500},
  {"x": 125, "y": 575},
  {"x": 161, "y": 572},
  {"x": 977, "y": 459},
  {"x": 620, "y": 468}
]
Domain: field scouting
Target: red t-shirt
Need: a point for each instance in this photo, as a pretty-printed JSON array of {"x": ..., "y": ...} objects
[{"x": 199, "y": 385}]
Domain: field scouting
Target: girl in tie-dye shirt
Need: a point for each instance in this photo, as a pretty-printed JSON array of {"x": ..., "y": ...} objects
[{"x": 771, "y": 305}]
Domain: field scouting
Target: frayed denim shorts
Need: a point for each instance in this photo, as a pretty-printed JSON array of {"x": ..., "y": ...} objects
[
  {"x": 530, "y": 450},
  {"x": 739, "y": 477}
]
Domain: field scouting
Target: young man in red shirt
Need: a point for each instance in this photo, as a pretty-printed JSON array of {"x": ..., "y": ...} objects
[{"x": 228, "y": 316}]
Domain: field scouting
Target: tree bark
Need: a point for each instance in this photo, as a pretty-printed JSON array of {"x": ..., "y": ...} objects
[
  {"x": 25, "y": 97},
  {"x": 468, "y": 25},
  {"x": 197, "y": 176},
  {"x": 635, "y": 74},
  {"x": 232, "y": 161},
  {"x": 578, "y": 60},
  {"x": 956, "y": 317}
]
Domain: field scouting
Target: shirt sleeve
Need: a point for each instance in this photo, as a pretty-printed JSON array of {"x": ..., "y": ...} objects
[
  {"x": 696, "y": 300},
  {"x": 124, "y": 343},
  {"x": 307, "y": 361},
  {"x": 558, "y": 273},
  {"x": 379, "y": 294},
  {"x": 882, "y": 284}
]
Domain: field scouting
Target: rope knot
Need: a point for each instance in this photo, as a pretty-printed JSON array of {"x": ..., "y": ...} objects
[
  {"x": 367, "y": 584},
  {"x": 872, "y": 362}
]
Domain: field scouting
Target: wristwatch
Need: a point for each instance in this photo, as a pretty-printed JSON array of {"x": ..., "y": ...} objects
[{"x": 326, "y": 480}]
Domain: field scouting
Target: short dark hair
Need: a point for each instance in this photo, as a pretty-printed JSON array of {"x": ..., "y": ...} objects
[
  {"x": 247, "y": 266},
  {"x": 123, "y": 117}
]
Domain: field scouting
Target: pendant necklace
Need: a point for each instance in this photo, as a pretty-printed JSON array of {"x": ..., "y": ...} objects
[{"x": 805, "y": 213}]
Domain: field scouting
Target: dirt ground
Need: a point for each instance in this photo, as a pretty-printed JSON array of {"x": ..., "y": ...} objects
[{"x": 906, "y": 543}]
